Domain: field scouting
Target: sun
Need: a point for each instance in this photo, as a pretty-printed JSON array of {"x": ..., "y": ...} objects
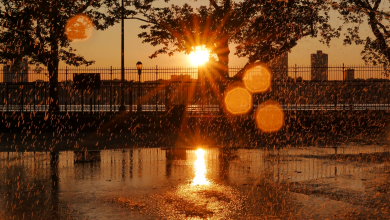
[{"x": 199, "y": 56}]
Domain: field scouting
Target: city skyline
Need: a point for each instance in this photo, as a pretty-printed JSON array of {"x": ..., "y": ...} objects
[{"x": 319, "y": 66}]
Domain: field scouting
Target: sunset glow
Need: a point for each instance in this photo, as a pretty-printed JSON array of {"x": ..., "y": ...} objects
[
  {"x": 258, "y": 79},
  {"x": 270, "y": 117},
  {"x": 79, "y": 28},
  {"x": 238, "y": 101},
  {"x": 199, "y": 56}
]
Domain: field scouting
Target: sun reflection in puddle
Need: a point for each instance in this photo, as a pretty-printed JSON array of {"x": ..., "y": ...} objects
[
  {"x": 200, "y": 169},
  {"x": 202, "y": 198}
]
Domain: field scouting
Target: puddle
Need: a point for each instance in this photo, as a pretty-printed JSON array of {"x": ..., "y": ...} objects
[{"x": 294, "y": 183}]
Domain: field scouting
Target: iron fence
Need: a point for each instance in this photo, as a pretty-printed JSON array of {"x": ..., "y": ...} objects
[
  {"x": 158, "y": 73},
  {"x": 158, "y": 88}
]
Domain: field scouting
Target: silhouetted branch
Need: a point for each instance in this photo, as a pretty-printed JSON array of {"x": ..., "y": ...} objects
[{"x": 147, "y": 21}]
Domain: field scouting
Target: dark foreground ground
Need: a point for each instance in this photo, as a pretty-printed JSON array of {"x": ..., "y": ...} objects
[
  {"x": 346, "y": 181},
  {"x": 320, "y": 165},
  {"x": 40, "y": 132}
]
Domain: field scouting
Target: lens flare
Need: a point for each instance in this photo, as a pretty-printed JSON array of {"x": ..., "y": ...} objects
[
  {"x": 79, "y": 28},
  {"x": 199, "y": 56},
  {"x": 200, "y": 169},
  {"x": 270, "y": 117},
  {"x": 238, "y": 101},
  {"x": 258, "y": 79}
]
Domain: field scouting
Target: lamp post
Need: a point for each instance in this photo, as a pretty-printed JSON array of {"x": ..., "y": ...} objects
[
  {"x": 139, "y": 68},
  {"x": 122, "y": 108}
]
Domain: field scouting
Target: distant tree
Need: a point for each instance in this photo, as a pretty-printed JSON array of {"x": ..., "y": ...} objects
[
  {"x": 36, "y": 29},
  {"x": 261, "y": 29},
  {"x": 356, "y": 12}
]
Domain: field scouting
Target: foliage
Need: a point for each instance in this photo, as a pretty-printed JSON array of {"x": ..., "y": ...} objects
[
  {"x": 261, "y": 29},
  {"x": 36, "y": 29},
  {"x": 356, "y": 12}
]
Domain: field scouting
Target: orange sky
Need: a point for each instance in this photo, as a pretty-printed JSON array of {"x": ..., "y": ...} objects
[{"x": 104, "y": 47}]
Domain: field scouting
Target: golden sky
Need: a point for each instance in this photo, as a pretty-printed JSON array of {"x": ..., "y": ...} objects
[{"x": 104, "y": 47}]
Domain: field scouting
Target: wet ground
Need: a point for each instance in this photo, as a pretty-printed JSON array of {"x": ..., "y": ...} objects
[{"x": 350, "y": 181}]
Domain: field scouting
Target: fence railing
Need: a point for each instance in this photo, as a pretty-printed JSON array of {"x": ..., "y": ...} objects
[
  {"x": 152, "y": 74},
  {"x": 159, "y": 88}
]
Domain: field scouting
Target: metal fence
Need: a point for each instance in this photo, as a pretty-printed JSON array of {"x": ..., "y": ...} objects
[
  {"x": 295, "y": 88},
  {"x": 157, "y": 73}
]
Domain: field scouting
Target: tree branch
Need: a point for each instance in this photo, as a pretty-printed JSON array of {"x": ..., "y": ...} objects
[
  {"x": 135, "y": 18},
  {"x": 214, "y": 4},
  {"x": 377, "y": 3},
  {"x": 362, "y": 4},
  {"x": 84, "y": 7},
  {"x": 227, "y": 5},
  {"x": 383, "y": 28}
]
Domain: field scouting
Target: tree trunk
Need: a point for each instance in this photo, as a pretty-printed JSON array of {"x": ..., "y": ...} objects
[
  {"x": 223, "y": 59},
  {"x": 373, "y": 22},
  {"x": 223, "y": 72},
  {"x": 53, "y": 86}
]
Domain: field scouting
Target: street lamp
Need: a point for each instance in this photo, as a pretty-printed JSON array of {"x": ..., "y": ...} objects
[{"x": 139, "y": 68}]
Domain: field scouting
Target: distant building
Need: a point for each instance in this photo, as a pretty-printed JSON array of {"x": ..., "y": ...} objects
[
  {"x": 349, "y": 75},
  {"x": 159, "y": 81},
  {"x": 181, "y": 78},
  {"x": 319, "y": 66},
  {"x": 279, "y": 67},
  {"x": 16, "y": 72}
]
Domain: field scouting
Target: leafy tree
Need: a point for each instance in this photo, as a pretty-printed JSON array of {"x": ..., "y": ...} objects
[
  {"x": 36, "y": 29},
  {"x": 356, "y": 12},
  {"x": 261, "y": 29}
]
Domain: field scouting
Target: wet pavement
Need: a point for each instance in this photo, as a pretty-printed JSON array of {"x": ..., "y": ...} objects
[{"x": 350, "y": 181}]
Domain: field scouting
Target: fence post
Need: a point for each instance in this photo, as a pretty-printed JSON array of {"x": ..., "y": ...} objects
[
  {"x": 341, "y": 91},
  {"x": 91, "y": 96},
  {"x": 82, "y": 100},
  {"x": 66, "y": 89},
  {"x": 21, "y": 99},
  {"x": 35, "y": 84},
  {"x": 111, "y": 90},
  {"x": 131, "y": 97},
  {"x": 156, "y": 90},
  {"x": 167, "y": 96},
  {"x": 46, "y": 96},
  {"x": 7, "y": 97},
  {"x": 4, "y": 102},
  {"x": 295, "y": 82}
]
